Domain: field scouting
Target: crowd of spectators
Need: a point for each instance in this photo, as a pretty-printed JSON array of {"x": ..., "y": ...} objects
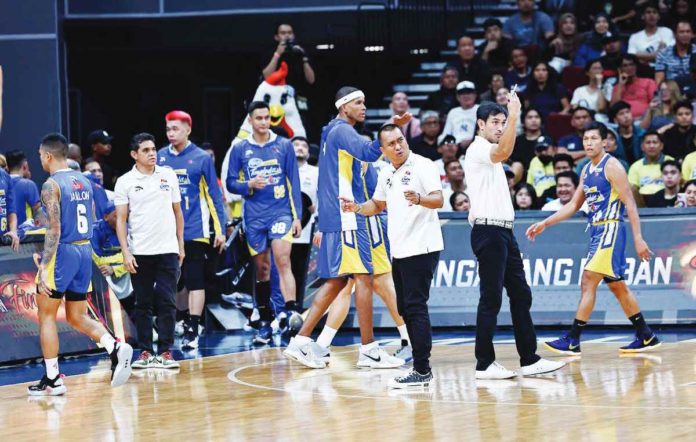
[{"x": 630, "y": 65}]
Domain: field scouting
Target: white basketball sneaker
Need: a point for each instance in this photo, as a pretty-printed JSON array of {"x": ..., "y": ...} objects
[
  {"x": 495, "y": 371},
  {"x": 376, "y": 357},
  {"x": 541, "y": 366},
  {"x": 303, "y": 354}
]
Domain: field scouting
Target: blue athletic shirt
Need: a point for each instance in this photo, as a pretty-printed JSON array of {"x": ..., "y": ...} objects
[
  {"x": 274, "y": 160},
  {"x": 76, "y": 206},
  {"x": 7, "y": 205},
  {"x": 201, "y": 196},
  {"x": 26, "y": 196},
  {"x": 340, "y": 174},
  {"x": 602, "y": 200}
]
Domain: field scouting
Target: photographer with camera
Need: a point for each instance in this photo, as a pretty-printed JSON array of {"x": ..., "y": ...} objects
[{"x": 300, "y": 72}]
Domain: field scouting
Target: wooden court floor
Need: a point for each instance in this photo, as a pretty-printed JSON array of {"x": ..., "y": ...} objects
[{"x": 258, "y": 395}]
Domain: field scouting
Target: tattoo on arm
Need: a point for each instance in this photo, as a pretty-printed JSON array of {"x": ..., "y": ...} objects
[{"x": 50, "y": 197}]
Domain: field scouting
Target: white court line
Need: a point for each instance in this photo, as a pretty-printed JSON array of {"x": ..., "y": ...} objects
[{"x": 232, "y": 376}]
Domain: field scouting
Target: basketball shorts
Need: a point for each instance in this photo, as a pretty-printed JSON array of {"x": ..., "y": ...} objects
[
  {"x": 607, "y": 251},
  {"x": 69, "y": 273},
  {"x": 379, "y": 243},
  {"x": 193, "y": 267},
  {"x": 259, "y": 232},
  {"x": 344, "y": 253}
]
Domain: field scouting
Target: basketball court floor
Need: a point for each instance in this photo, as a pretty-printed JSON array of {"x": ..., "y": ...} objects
[{"x": 229, "y": 391}]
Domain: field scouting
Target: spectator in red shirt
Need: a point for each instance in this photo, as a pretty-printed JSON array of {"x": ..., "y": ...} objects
[{"x": 635, "y": 91}]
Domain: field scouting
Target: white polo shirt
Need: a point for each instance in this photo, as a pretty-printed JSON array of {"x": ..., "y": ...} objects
[
  {"x": 487, "y": 184},
  {"x": 412, "y": 229},
  {"x": 151, "y": 220}
]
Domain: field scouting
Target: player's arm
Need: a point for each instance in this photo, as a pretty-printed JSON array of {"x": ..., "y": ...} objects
[
  {"x": 565, "y": 212},
  {"x": 357, "y": 146},
  {"x": 292, "y": 175},
  {"x": 216, "y": 206},
  {"x": 50, "y": 197},
  {"x": 502, "y": 151},
  {"x": 616, "y": 175}
]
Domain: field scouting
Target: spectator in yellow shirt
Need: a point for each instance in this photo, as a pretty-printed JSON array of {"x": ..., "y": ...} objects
[
  {"x": 645, "y": 174},
  {"x": 540, "y": 174},
  {"x": 689, "y": 167}
]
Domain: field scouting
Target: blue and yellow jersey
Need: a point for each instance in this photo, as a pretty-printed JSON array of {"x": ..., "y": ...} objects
[
  {"x": 26, "y": 196},
  {"x": 601, "y": 197},
  {"x": 76, "y": 206},
  {"x": 275, "y": 161},
  {"x": 340, "y": 175},
  {"x": 201, "y": 197},
  {"x": 7, "y": 205}
]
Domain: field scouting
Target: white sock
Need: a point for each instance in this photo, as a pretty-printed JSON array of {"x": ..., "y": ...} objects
[
  {"x": 326, "y": 336},
  {"x": 404, "y": 333},
  {"x": 51, "y": 367},
  {"x": 108, "y": 342},
  {"x": 367, "y": 347},
  {"x": 302, "y": 340}
]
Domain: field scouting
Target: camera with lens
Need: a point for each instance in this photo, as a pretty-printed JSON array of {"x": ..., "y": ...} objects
[{"x": 290, "y": 46}]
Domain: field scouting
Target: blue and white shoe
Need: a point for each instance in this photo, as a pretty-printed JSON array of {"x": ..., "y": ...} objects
[
  {"x": 641, "y": 344},
  {"x": 412, "y": 379},
  {"x": 565, "y": 345},
  {"x": 405, "y": 352},
  {"x": 264, "y": 335}
]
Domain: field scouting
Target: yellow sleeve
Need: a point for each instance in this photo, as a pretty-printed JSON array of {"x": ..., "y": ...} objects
[
  {"x": 688, "y": 172},
  {"x": 634, "y": 174}
]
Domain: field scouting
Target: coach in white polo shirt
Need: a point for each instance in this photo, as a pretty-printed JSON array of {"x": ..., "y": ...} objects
[
  {"x": 495, "y": 246},
  {"x": 410, "y": 189},
  {"x": 147, "y": 198}
]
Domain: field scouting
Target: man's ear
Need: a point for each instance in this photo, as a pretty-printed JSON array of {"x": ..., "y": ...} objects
[{"x": 133, "y": 154}]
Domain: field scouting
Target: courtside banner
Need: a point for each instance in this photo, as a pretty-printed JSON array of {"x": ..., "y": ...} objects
[
  {"x": 19, "y": 324},
  {"x": 665, "y": 286}
]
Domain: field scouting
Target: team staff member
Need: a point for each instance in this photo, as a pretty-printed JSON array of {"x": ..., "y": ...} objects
[
  {"x": 201, "y": 202},
  {"x": 26, "y": 194},
  {"x": 65, "y": 268},
  {"x": 263, "y": 169},
  {"x": 150, "y": 229},
  {"x": 495, "y": 246},
  {"x": 410, "y": 189}
]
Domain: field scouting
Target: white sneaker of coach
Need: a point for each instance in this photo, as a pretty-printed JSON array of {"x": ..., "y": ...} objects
[
  {"x": 495, "y": 371},
  {"x": 373, "y": 356},
  {"x": 540, "y": 367}
]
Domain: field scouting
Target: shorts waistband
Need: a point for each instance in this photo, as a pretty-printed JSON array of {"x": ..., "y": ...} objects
[
  {"x": 78, "y": 243},
  {"x": 494, "y": 222}
]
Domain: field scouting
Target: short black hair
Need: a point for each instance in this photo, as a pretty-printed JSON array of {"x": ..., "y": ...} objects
[
  {"x": 282, "y": 23},
  {"x": 299, "y": 138},
  {"x": 206, "y": 145},
  {"x": 254, "y": 105},
  {"x": 15, "y": 159},
  {"x": 589, "y": 64},
  {"x": 666, "y": 163},
  {"x": 531, "y": 109},
  {"x": 56, "y": 144},
  {"x": 367, "y": 133},
  {"x": 450, "y": 67},
  {"x": 581, "y": 108},
  {"x": 140, "y": 138},
  {"x": 689, "y": 183},
  {"x": 569, "y": 174},
  {"x": 465, "y": 36},
  {"x": 617, "y": 107},
  {"x": 649, "y": 5},
  {"x": 652, "y": 132},
  {"x": 386, "y": 128},
  {"x": 596, "y": 125},
  {"x": 455, "y": 160},
  {"x": 561, "y": 157},
  {"x": 630, "y": 57},
  {"x": 680, "y": 21},
  {"x": 345, "y": 90},
  {"x": 489, "y": 109},
  {"x": 683, "y": 104},
  {"x": 492, "y": 21}
]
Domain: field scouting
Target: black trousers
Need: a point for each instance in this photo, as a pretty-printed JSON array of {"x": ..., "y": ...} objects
[
  {"x": 412, "y": 278},
  {"x": 154, "y": 285},
  {"x": 500, "y": 265}
]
